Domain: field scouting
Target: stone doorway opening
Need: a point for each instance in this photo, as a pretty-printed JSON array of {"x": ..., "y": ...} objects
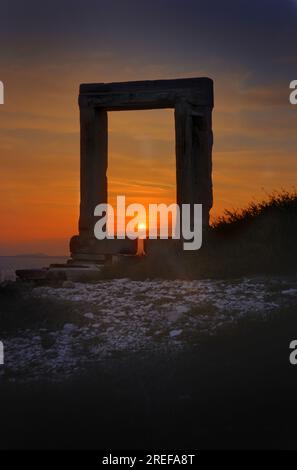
[{"x": 141, "y": 157}]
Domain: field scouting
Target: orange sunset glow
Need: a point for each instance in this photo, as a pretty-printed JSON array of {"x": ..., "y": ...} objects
[
  {"x": 253, "y": 122},
  {"x": 43, "y": 158}
]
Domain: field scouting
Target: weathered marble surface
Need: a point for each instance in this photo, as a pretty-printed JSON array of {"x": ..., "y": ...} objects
[{"x": 192, "y": 100}]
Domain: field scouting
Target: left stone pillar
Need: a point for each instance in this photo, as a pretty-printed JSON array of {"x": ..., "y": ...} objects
[{"x": 93, "y": 166}]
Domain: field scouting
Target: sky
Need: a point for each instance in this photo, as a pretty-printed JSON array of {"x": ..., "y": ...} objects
[{"x": 48, "y": 48}]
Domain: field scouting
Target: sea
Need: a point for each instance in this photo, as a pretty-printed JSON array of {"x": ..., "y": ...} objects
[{"x": 9, "y": 264}]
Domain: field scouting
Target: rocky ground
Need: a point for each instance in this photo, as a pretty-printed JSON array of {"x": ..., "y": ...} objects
[{"x": 121, "y": 316}]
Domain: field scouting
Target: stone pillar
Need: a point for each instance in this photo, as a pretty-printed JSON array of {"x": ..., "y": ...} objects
[
  {"x": 93, "y": 166},
  {"x": 193, "y": 134},
  {"x": 202, "y": 140},
  {"x": 183, "y": 153}
]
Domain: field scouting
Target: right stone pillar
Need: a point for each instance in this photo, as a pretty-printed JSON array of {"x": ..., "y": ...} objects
[{"x": 194, "y": 139}]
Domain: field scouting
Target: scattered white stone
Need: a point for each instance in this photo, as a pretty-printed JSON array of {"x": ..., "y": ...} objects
[
  {"x": 175, "y": 333},
  {"x": 181, "y": 309},
  {"x": 290, "y": 292},
  {"x": 124, "y": 322},
  {"x": 36, "y": 339},
  {"x": 177, "y": 313},
  {"x": 69, "y": 327},
  {"x": 89, "y": 315}
]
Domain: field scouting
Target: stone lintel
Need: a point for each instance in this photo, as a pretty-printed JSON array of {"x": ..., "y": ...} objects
[{"x": 148, "y": 94}]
